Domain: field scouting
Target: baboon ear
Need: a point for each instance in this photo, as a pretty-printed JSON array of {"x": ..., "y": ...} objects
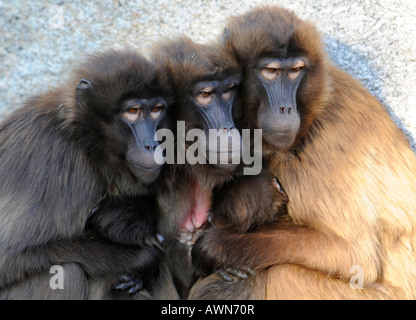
[
  {"x": 83, "y": 88},
  {"x": 226, "y": 35}
]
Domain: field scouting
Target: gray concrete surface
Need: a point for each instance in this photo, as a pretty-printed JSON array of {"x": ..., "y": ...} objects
[{"x": 40, "y": 40}]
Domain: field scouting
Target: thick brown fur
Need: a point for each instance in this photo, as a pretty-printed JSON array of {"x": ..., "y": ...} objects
[
  {"x": 350, "y": 177},
  {"x": 253, "y": 197},
  {"x": 59, "y": 158}
]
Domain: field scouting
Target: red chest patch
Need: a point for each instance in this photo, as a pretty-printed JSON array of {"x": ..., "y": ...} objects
[{"x": 199, "y": 209}]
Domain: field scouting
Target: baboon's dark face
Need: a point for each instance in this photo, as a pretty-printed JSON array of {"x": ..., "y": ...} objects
[
  {"x": 285, "y": 73},
  {"x": 123, "y": 123},
  {"x": 212, "y": 102},
  {"x": 144, "y": 117},
  {"x": 278, "y": 115}
]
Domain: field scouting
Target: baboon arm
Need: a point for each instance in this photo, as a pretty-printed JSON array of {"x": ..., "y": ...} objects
[
  {"x": 248, "y": 201},
  {"x": 282, "y": 243},
  {"x": 129, "y": 220},
  {"x": 96, "y": 256}
]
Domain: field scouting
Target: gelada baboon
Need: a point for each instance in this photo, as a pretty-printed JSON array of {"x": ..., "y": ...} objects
[
  {"x": 347, "y": 169},
  {"x": 83, "y": 151},
  {"x": 205, "y": 82}
]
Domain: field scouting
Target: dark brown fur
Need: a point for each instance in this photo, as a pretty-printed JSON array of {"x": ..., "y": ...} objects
[
  {"x": 247, "y": 202},
  {"x": 350, "y": 177},
  {"x": 58, "y": 160}
]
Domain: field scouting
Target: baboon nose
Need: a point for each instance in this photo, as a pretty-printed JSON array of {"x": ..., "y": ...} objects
[
  {"x": 227, "y": 129},
  {"x": 285, "y": 109}
]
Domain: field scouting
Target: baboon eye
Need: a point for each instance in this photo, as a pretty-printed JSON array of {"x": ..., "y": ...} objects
[
  {"x": 294, "y": 72},
  {"x": 157, "y": 108},
  {"x": 231, "y": 87},
  {"x": 271, "y": 71},
  {"x": 226, "y": 95},
  {"x": 133, "y": 113},
  {"x": 156, "y": 111},
  {"x": 204, "y": 96}
]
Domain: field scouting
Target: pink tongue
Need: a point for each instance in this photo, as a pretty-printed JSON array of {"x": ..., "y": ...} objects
[{"x": 199, "y": 210}]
